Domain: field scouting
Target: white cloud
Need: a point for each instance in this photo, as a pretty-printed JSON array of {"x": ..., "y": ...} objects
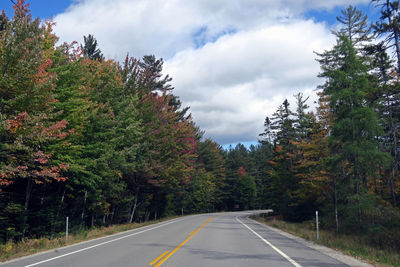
[
  {"x": 232, "y": 61},
  {"x": 232, "y": 84},
  {"x": 165, "y": 27}
]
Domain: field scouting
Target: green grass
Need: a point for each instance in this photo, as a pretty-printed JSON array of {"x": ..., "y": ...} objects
[
  {"x": 12, "y": 250},
  {"x": 348, "y": 244}
]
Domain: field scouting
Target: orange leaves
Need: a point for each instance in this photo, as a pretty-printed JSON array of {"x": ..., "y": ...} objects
[
  {"x": 17, "y": 122},
  {"x": 42, "y": 76},
  {"x": 41, "y": 157},
  {"x": 48, "y": 173},
  {"x": 56, "y": 130},
  {"x": 5, "y": 180},
  {"x": 22, "y": 168},
  {"x": 21, "y": 10},
  {"x": 45, "y": 171},
  {"x": 63, "y": 166},
  {"x": 32, "y": 127}
]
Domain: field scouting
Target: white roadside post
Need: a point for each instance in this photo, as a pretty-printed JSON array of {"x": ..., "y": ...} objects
[
  {"x": 66, "y": 229},
  {"x": 316, "y": 219}
]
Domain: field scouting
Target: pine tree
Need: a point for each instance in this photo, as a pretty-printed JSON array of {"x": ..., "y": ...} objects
[
  {"x": 355, "y": 125},
  {"x": 388, "y": 26},
  {"x": 355, "y": 27},
  {"x": 387, "y": 99},
  {"x": 302, "y": 120},
  {"x": 90, "y": 48}
]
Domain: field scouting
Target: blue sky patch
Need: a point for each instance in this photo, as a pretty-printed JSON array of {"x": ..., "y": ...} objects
[
  {"x": 43, "y": 9},
  {"x": 202, "y": 36},
  {"x": 329, "y": 16}
]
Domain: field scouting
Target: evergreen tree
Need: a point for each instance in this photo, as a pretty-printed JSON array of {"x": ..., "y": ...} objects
[
  {"x": 355, "y": 126},
  {"x": 355, "y": 27},
  {"x": 303, "y": 121},
  {"x": 90, "y": 48},
  {"x": 388, "y": 26}
]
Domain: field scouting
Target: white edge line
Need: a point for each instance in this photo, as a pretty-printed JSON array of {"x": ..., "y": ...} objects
[
  {"x": 56, "y": 249},
  {"x": 100, "y": 244},
  {"x": 269, "y": 244}
]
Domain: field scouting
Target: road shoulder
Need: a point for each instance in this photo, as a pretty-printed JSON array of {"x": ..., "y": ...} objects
[{"x": 325, "y": 250}]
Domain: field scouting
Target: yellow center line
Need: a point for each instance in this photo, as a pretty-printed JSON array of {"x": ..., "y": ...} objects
[
  {"x": 181, "y": 244},
  {"x": 159, "y": 257}
]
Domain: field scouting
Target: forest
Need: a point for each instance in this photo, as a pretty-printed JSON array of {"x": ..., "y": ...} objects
[{"x": 106, "y": 142}]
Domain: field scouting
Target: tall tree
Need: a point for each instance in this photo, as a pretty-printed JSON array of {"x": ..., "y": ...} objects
[
  {"x": 90, "y": 48},
  {"x": 388, "y": 26},
  {"x": 355, "y": 26},
  {"x": 355, "y": 126}
]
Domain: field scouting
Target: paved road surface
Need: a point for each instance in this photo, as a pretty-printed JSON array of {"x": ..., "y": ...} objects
[{"x": 221, "y": 239}]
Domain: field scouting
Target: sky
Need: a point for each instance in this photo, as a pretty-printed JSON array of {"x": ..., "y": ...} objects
[{"x": 232, "y": 61}]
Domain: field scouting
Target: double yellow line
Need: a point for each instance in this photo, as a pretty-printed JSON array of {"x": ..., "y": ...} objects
[{"x": 160, "y": 258}]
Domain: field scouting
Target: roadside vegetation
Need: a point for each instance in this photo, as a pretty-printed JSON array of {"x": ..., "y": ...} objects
[{"x": 358, "y": 246}]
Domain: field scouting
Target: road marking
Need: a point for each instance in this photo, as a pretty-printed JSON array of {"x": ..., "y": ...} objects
[
  {"x": 181, "y": 244},
  {"x": 159, "y": 257},
  {"x": 272, "y": 246},
  {"x": 100, "y": 244}
]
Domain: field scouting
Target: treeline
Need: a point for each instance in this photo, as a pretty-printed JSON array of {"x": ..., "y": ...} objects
[{"x": 343, "y": 159}]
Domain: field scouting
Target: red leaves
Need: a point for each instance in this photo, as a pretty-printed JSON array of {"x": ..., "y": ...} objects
[
  {"x": 55, "y": 130},
  {"x": 63, "y": 166},
  {"x": 45, "y": 172},
  {"x": 42, "y": 76},
  {"x": 6, "y": 179},
  {"x": 241, "y": 171},
  {"x": 22, "y": 168},
  {"x": 41, "y": 157},
  {"x": 21, "y": 9},
  {"x": 34, "y": 126},
  {"x": 49, "y": 173},
  {"x": 18, "y": 121}
]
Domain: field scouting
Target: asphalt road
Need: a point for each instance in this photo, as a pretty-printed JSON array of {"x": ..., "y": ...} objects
[{"x": 221, "y": 239}]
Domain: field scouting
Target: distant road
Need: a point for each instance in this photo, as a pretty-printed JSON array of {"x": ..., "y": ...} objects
[{"x": 220, "y": 239}]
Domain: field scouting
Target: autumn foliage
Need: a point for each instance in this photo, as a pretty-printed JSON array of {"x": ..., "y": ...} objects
[{"x": 90, "y": 138}]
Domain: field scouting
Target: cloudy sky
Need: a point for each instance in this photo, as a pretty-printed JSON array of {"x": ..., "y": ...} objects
[{"x": 232, "y": 61}]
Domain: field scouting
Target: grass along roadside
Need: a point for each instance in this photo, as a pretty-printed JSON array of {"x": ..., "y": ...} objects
[
  {"x": 12, "y": 250},
  {"x": 350, "y": 245}
]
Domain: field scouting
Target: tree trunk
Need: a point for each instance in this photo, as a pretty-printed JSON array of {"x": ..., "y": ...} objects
[
  {"x": 92, "y": 221},
  {"x": 28, "y": 192},
  {"x": 395, "y": 33},
  {"x": 83, "y": 208},
  {"x": 335, "y": 205},
  {"x": 393, "y": 189},
  {"x": 394, "y": 151},
  {"x": 134, "y": 205},
  {"x": 112, "y": 215},
  {"x": 58, "y": 211}
]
